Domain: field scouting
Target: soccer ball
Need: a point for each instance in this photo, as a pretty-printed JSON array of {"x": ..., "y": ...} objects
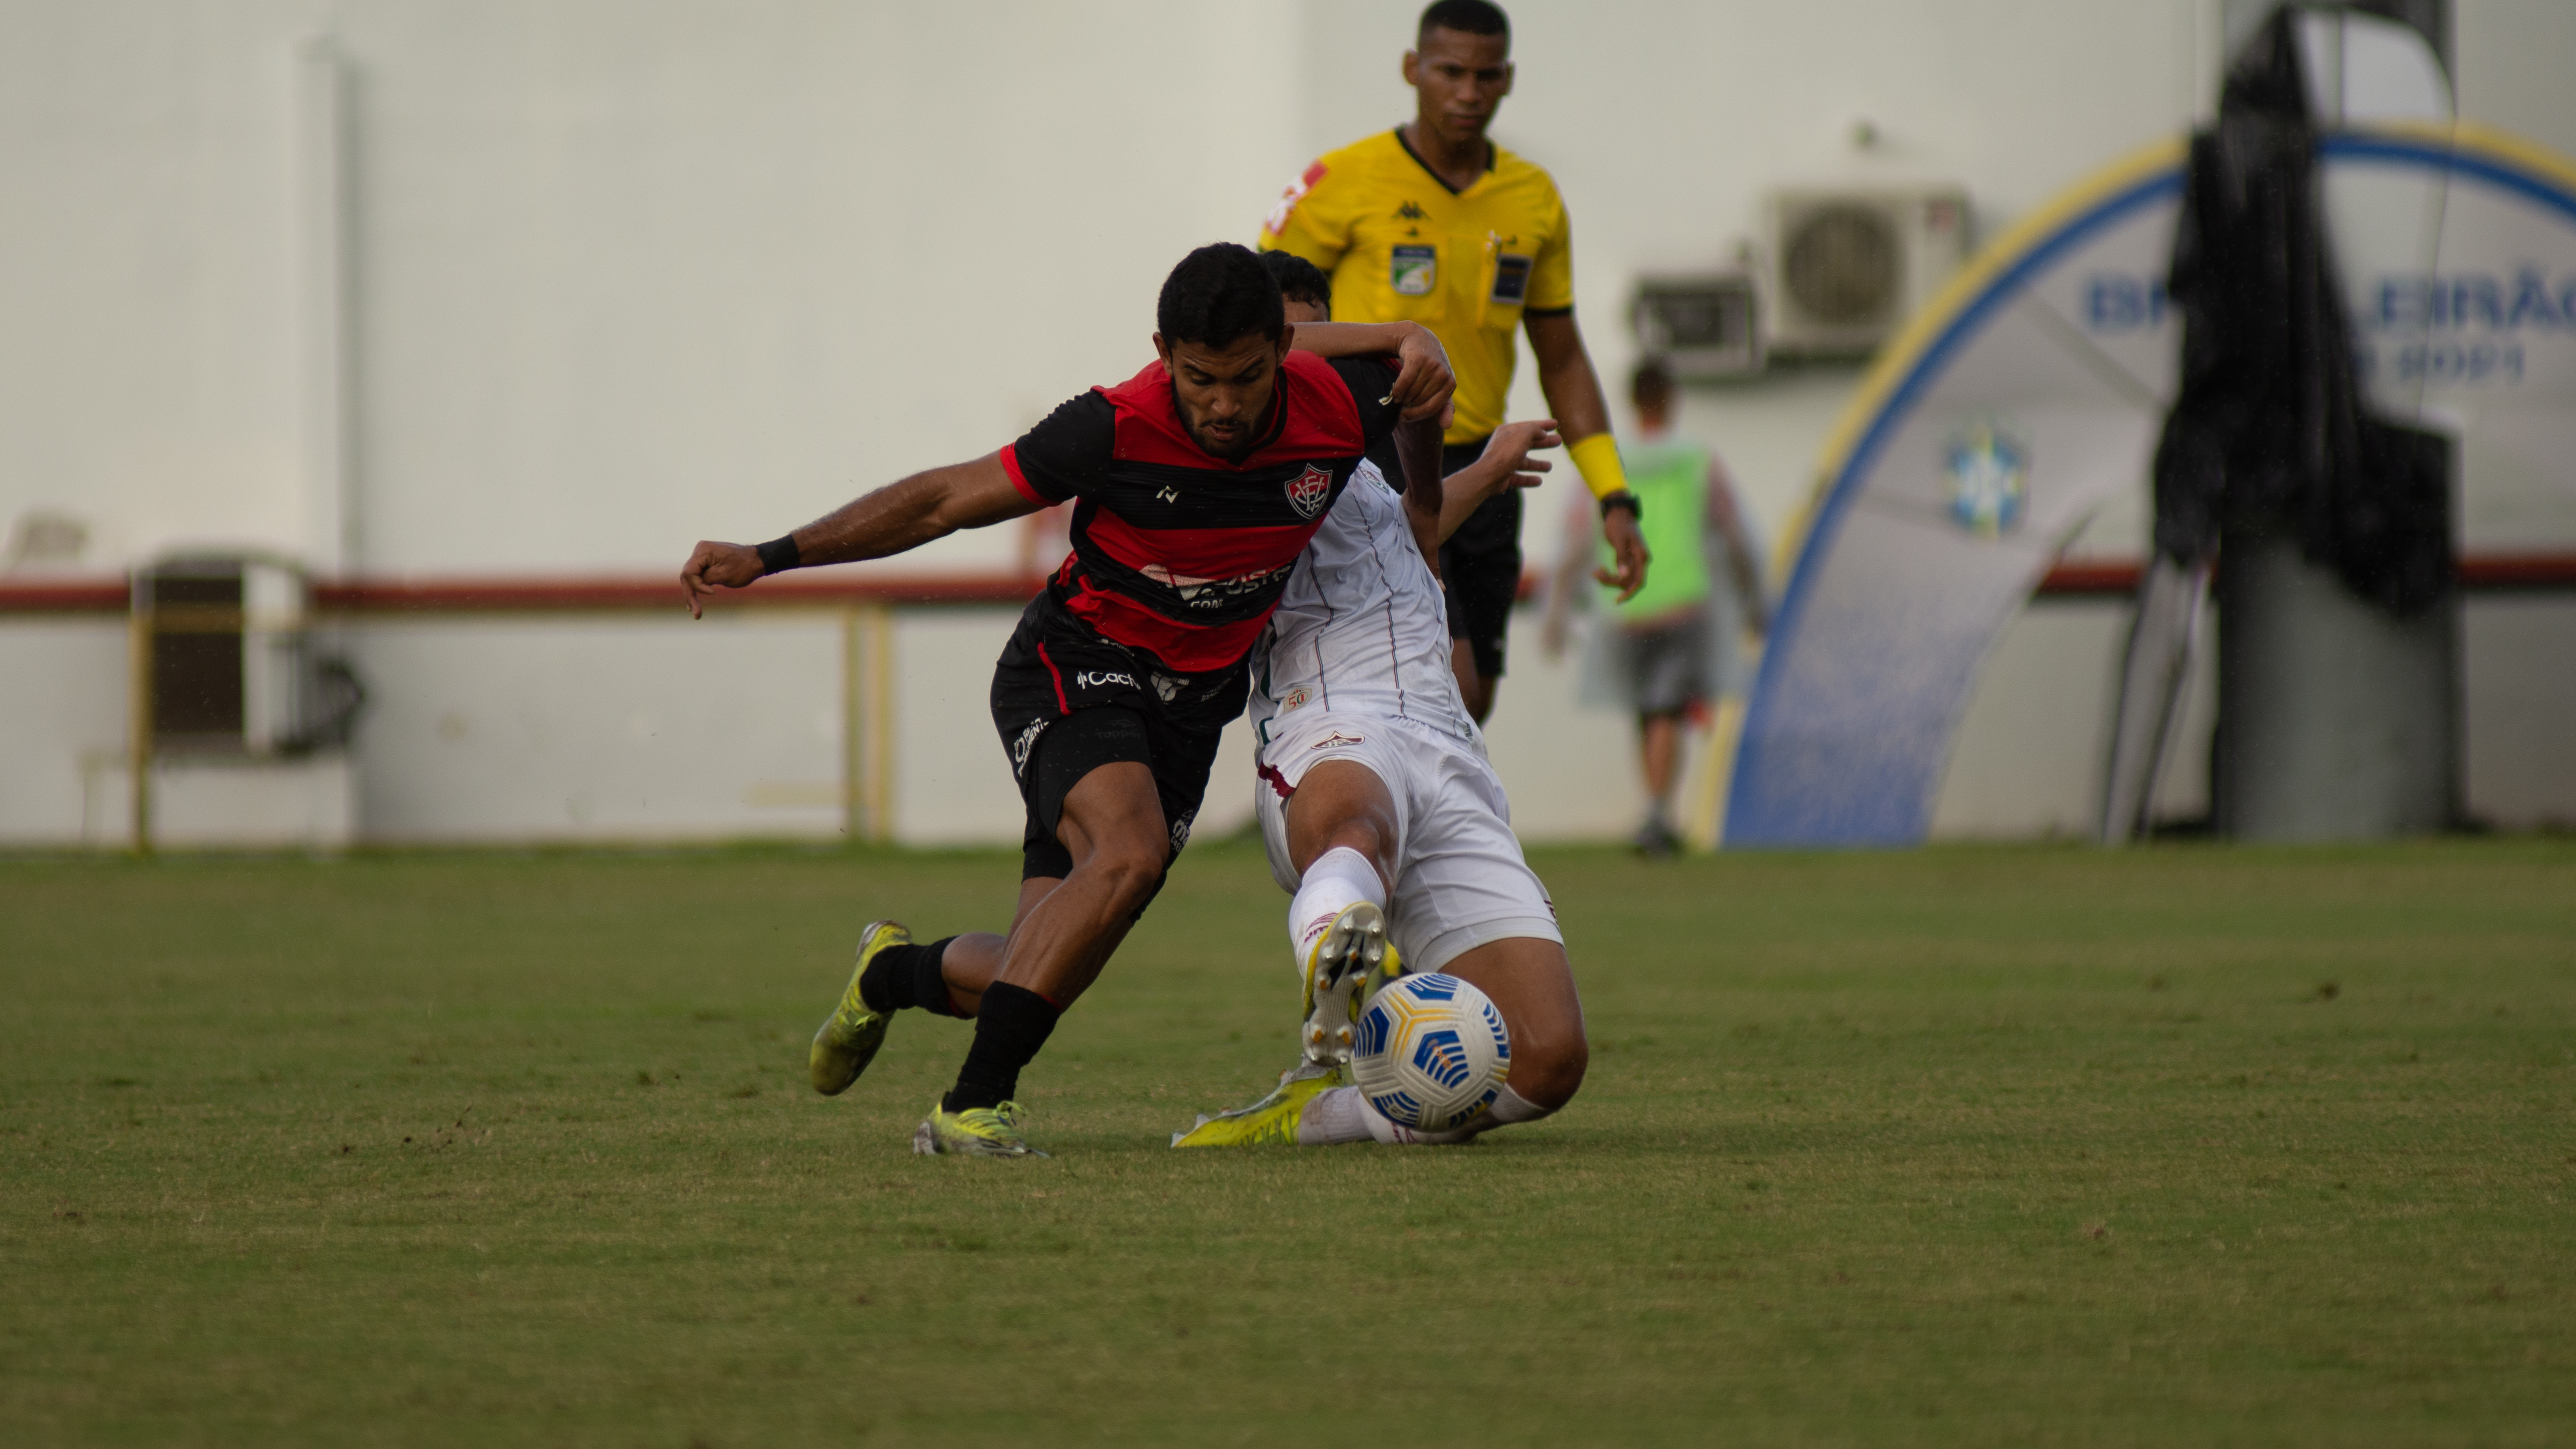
[{"x": 1431, "y": 1052}]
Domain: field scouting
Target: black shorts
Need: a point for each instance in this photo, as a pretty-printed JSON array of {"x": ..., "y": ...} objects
[
  {"x": 1480, "y": 566},
  {"x": 1068, "y": 702}
]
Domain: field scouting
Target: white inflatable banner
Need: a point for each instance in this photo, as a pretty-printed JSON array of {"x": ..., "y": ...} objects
[{"x": 2034, "y": 388}]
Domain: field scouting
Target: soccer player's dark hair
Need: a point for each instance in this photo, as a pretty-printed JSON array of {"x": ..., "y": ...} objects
[
  {"x": 1652, "y": 384},
  {"x": 1299, "y": 279},
  {"x": 1468, "y": 17},
  {"x": 1219, "y": 294}
]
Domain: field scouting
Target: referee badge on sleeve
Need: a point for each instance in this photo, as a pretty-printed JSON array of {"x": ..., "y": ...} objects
[
  {"x": 1511, "y": 279},
  {"x": 1413, "y": 270}
]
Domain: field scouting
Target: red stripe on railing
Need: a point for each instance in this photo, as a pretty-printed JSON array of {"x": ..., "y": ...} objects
[
  {"x": 2514, "y": 572},
  {"x": 2091, "y": 576},
  {"x": 824, "y": 588},
  {"x": 525, "y": 595},
  {"x": 63, "y": 596},
  {"x": 2482, "y": 573}
]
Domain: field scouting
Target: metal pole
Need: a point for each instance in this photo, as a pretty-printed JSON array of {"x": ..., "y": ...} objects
[
  {"x": 853, "y": 746},
  {"x": 876, "y": 622},
  {"x": 138, "y": 727},
  {"x": 867, "y": 722}
]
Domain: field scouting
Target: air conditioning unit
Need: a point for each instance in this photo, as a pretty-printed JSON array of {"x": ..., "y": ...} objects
[
  {"x": 1704, "y": 326},
  {"x": 1847, "y": 267},
  {"x": 234, "y": 667}
]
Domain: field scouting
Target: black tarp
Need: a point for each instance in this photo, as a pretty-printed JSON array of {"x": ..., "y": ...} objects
[{"x": 2270, "y": 429}]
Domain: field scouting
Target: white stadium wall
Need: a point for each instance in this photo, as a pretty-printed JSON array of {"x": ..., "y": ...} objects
[{"x": 600, "y": 277}]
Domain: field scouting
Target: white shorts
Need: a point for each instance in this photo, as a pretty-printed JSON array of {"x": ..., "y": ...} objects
[{"x": 1460, "y": 879}]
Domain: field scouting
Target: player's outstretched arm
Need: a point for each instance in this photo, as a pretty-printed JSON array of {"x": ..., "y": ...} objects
[
  {"x": 890, "y": 520},
  {"x": 1423, "y": 381},
  {"x": 1505, "y": 463}
]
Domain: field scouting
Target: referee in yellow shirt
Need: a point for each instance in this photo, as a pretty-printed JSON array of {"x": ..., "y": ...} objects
[{"x": 1432, "y": 223}]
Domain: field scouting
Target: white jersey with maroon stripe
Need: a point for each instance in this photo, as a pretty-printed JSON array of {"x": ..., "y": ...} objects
[{"x": 1362, "y": 628}]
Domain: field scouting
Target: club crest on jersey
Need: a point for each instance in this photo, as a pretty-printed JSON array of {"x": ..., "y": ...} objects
[{"x": 1308, "y": 491}]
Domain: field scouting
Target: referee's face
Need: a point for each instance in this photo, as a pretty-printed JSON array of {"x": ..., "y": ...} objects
[
  {"x": 1459, "y": 80},
  {"x": 1224, "y": 391}
]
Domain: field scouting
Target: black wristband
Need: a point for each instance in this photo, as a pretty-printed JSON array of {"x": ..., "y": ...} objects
[
  {"x": 778, "y": 555},
  {"x": 1623, "y": 499}
]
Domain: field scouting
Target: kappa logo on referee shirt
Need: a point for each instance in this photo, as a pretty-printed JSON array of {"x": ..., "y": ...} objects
[
  {"x": 1410, "y": 212},
  {"x": 1308, "y": 491}
]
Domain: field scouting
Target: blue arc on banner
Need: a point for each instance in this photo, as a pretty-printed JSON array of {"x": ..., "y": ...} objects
[{"x": 1890, "y": 609}]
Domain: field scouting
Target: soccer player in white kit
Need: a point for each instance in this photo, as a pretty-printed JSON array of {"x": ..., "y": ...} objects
[{"x": 1381, "y": 813}]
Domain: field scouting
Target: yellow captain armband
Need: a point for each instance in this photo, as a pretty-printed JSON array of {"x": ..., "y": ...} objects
[{"x": 1597, "y": 459}]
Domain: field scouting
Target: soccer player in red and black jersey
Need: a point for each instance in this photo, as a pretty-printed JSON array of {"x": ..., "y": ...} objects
[{"x": 1196, "y": 484}]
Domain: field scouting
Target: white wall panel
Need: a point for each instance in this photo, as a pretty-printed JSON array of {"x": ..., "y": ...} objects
[
  {"x": 62, "y": 714},
  {"x": 505, "y": 729},
  {"x": 625, "y": 273},
  {"x": 149, "y": 305},
  {"x": 2519, "y": 679}
]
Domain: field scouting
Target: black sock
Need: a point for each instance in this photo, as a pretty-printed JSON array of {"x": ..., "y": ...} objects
[
  {"x": 929, "y": 981},
  {"x": 902, "y": 976},
  {"x": 1010, "y": 1026}
]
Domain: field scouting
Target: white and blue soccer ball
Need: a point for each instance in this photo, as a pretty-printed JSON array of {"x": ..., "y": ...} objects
[{"x": 1430, "y": 1052}]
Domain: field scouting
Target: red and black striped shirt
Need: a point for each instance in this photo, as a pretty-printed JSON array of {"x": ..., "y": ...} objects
[{"x": 1178, "y": 552}]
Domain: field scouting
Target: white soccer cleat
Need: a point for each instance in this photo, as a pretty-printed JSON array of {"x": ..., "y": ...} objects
[{"x": 1350, "y": 953}]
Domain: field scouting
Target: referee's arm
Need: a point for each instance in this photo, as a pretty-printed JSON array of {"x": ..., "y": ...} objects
[{"x": 1573, "y": 393}]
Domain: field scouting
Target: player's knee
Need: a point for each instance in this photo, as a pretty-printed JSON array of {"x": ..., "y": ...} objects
[
  {"x": 1130, "y": 867},
  {"x": 1548, "y": 1065},
  {"x": 1372, "y": 843}
]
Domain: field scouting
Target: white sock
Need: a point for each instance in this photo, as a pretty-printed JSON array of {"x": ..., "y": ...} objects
[
  {"x": 1507, "y": 1108},
  {"x": 1510, "y": 1107},
  {"x": 1337, "y": 1115},
  {"x": 1338, "y": 878}
]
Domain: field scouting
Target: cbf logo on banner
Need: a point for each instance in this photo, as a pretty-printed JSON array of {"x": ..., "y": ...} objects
[{"x": 2034, "y": 389}]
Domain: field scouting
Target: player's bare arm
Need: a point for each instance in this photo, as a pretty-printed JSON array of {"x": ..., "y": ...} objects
[
  {"x": 1573, "y": 393},
  {"x": 1417, "y": 450},
  {"x": 1505, "y": 463},
  {"x": 900, "y": 516},
  {"x": 1423, "y": 381}
]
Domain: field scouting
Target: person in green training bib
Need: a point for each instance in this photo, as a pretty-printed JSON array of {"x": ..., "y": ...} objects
[{"x": 1675, "y": 647}]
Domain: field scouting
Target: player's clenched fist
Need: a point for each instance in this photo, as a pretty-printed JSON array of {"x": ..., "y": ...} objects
[
  {"x": 1423, "y": 381},
  {"x": 715, "y": 565}
]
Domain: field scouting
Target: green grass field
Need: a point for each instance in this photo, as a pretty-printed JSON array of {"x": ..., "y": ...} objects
[{"x": 2186, "y": 1145}]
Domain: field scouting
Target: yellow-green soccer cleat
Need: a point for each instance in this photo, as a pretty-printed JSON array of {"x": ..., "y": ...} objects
[
  {"x": 975, "y": 1132},
  {"x": 1273, "y": 1120},
  {"x": 852, "y": 1033},
  {"x": 1342, "y": 963}
]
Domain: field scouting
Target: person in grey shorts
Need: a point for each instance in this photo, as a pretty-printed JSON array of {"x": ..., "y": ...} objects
[{"x": 1673, "y": 649}]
